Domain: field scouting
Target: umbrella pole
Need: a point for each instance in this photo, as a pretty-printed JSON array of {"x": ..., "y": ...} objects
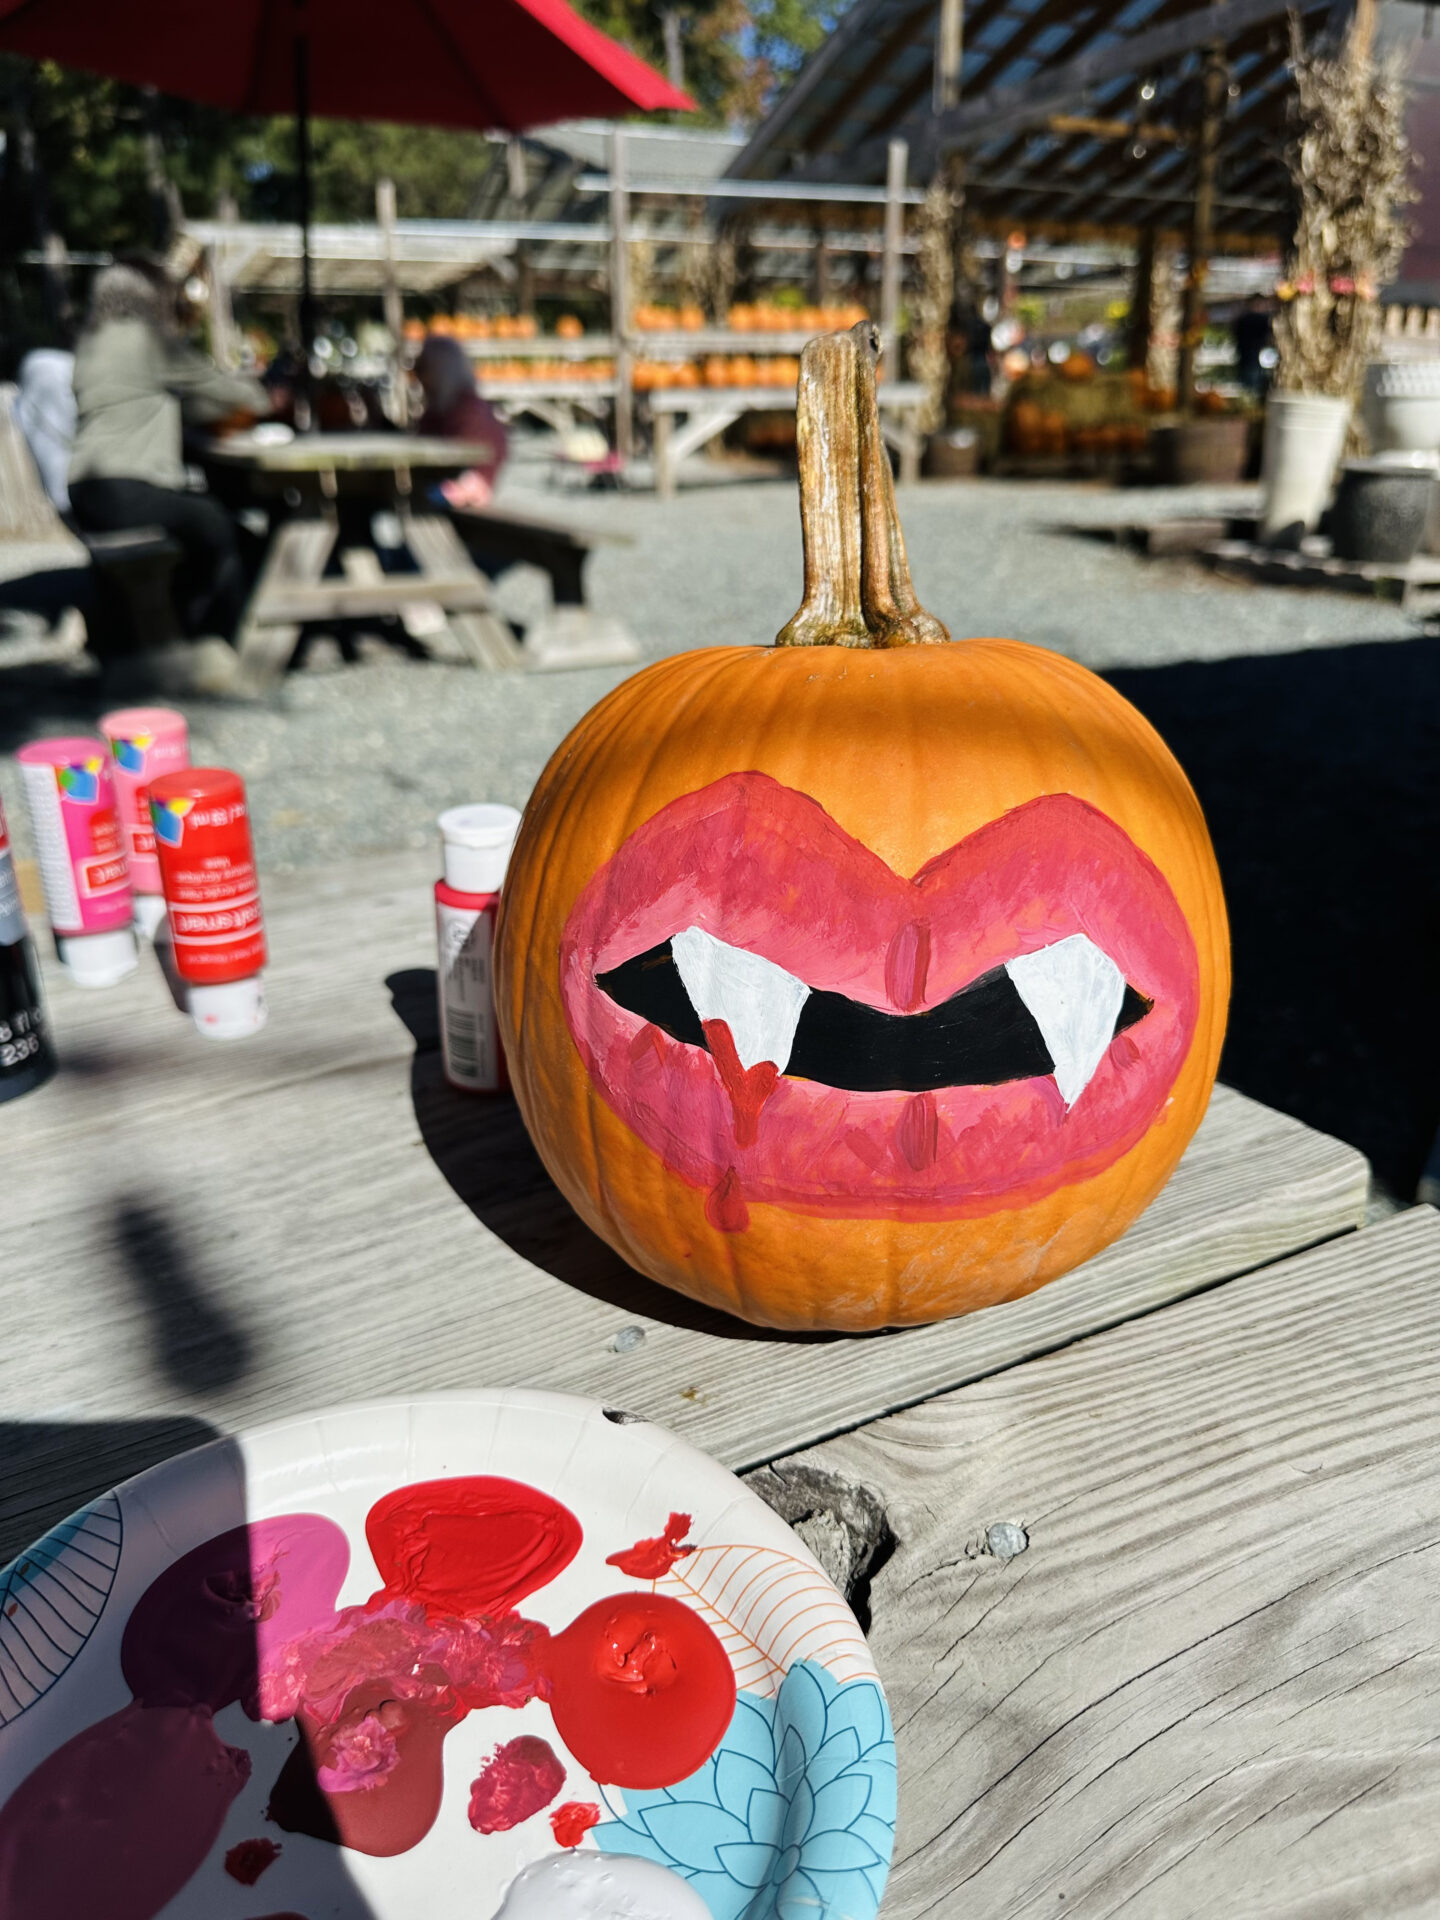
[{"x": 302, "y": 160}]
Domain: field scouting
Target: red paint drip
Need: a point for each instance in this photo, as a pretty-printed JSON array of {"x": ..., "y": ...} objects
[
  {"x": 651, "y": 1559},
  {"x": 573, "y": 1821},
  {"x": 907, "y": 962},
  {"x": 917, "y": 1136},
  {"x": 748, "y": 1087},
  {"x": 725, "y": 1206},
  {"x": 248, "y": 1859},
  {"x": 516, "y": 1781}
]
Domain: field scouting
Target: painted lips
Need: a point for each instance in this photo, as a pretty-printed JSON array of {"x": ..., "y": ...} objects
[{"x": 784, "y": 1019}]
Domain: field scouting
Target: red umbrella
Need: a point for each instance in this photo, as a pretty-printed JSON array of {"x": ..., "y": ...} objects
[{"x": 505, "y": 64}]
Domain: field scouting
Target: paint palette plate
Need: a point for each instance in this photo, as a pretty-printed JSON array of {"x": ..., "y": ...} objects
[{"x": 507, "y": 1653}]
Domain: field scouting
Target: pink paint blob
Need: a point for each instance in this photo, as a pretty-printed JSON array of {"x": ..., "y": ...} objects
[{"x": 516, "y": 1781}]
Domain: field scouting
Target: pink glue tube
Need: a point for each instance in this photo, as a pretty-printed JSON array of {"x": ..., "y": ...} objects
[
  {"x": 476, "y": 843},
  {"x": 81, "y": 856},
  {"x": 144, "y": 743}
]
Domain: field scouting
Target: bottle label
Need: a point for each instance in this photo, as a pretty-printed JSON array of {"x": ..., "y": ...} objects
[
  {"x": 468, "y": 1041},
  {"x": 78, "y": 846},
  {"x": 211, "y": 892}
]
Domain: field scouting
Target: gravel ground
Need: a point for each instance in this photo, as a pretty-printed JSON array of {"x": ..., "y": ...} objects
[{"x": 363, "y": 757}]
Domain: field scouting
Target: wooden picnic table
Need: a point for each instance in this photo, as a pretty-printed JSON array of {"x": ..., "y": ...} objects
[
  {"x": 1148, "y": 1557},
  {"x": 337, "y": 482},
  {"x": 686, "y": 418}
]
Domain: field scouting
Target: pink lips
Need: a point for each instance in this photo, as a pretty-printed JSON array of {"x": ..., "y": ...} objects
[{"x": 764, "y": 868}]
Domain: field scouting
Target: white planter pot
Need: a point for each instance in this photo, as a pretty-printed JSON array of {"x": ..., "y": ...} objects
[
  {"x": 1304, "y": 437},
  {"x": 1401, "y": 406}
]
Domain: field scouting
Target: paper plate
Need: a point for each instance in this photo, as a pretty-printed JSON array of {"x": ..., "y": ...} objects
[{"x": 504, "y": 1656}]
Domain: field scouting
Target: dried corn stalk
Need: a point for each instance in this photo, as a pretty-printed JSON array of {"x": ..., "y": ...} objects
[{"x": 1350, "y": 170}]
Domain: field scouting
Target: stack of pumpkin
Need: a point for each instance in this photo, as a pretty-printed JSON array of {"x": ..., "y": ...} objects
[
  {"x": 740, "y": 370},
  {"x": 764, "y": 317},
  {"x": 540, "y": 369}
]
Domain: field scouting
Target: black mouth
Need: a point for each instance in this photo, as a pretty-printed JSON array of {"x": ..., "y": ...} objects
[{"x": 982, "y": 1036}]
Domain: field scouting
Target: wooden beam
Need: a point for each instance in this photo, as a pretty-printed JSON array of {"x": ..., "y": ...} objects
[
  {"x": 949, "y": 54},
  {"x": 896, "y": 163},
  {"x": 1077, "y": 125}
]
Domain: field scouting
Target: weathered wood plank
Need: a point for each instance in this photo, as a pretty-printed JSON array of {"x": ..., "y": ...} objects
[
  {"x": 1208, "y": 1684},
  {"x": 240, "y": 1232}
]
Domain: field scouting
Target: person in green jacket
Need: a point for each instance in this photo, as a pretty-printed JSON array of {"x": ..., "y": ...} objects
[{"x": 135, "y": 381}]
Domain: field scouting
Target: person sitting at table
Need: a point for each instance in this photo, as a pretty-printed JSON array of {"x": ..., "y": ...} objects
[
  {"x": 135, "y": 378},
  {"x": 456, "y": 410}
]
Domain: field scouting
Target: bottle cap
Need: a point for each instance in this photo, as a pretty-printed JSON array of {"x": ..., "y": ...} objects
[
  {"x": 98, "y": 959},
  {"x": 231, "y": 1010},
  {"x": 477, "y": 842},
  {"x": 149, "y": 914}
]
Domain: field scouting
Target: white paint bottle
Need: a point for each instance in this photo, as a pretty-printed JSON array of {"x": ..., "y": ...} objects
[{"x": 476, "y": 842}]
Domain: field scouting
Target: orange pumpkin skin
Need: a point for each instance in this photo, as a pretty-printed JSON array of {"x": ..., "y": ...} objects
[{"x": 909, "y": 751}]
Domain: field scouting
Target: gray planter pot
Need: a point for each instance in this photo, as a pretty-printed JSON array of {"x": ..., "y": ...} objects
[{"x": 1381, "y": 507}]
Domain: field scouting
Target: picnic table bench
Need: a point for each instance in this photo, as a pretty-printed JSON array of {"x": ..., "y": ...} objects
[{"x": 1148, "y": 1558}]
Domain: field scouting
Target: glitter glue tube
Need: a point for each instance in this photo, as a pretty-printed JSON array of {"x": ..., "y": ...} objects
[
  {"x": 212, "y": 897},
  {"x": 476, "y": 843},
  {"x": 26, "y": 1059},
  {"x": 144, "y": 743},
  {"x": 81, "y": 857}
]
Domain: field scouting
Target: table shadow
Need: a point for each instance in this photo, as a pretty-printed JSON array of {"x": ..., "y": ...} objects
[
  {"x": 1319, "y": 774},
  {"x": 54, "y": 1591},
  {"x": 479, "y": 1143}
]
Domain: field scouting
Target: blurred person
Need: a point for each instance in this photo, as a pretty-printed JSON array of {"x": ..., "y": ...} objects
[
  {"x": 136, "y": 380},
  {"x": 455, "y": 410},
  {"x": 969, "y": 344},
  {"x": 45, "y": 414}
]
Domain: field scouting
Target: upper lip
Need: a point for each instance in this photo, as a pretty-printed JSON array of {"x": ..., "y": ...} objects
[{"x": 1029, "y": 1017}]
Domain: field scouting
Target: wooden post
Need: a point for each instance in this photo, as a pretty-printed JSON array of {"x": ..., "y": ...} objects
[
  {"x": 620, "y": 297},
  {"x": 394, "y": 309},
  {"x": 949, "y": 54},
  {"x": 898, "y": 161},
  {"x": 1202, "y": 219},
  {"x": 820, "y": 263},
  {"x": 1142, "y": 302},
  {"x": 223, "y": 344}
]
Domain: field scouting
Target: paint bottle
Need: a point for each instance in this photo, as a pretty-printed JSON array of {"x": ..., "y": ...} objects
[
  {"x": 476, "y": 843},
  {"x": 26, "y": 1057},
  {"x": 212, "y": 897},
  {"x": 144, "y": 743},
  {"x": 81, "y": 856}
]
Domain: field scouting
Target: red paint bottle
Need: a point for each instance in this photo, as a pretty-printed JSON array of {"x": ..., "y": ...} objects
[
  {"x": 476, "y": 842},
  {"x": 212, "y": 897}
]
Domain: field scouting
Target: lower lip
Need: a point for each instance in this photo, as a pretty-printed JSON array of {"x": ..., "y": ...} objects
[{"x": 1044, "y": 871}]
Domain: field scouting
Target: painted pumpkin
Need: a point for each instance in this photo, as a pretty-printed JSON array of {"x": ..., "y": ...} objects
[{"x": 869, "y": 978}]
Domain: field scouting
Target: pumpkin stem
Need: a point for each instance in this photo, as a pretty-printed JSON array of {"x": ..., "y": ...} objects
[{"x": 858, "y": 591}]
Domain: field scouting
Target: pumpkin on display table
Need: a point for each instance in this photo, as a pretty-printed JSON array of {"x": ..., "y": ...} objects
[{"x": 872, "y": 977}]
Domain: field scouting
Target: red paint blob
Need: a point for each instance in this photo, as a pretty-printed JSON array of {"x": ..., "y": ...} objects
[
  {"x": 651, "y": 1559},
  {"x": 573, "y": 1821},
  {"x": 642, "y": 1690},
  {"x": 917, "y": 1135},
  {"x": 748, "y": 1087},
  {"x": 725, "y": 1206},
  {"x": 248, "y": 1859},
  {"x": 907, "y": 961},
  {"x": 515, "y": 1782},
  {"x": 470, "y": 1545}
]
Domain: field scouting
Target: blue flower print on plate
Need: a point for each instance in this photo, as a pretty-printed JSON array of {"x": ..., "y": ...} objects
[{"x": 791, "y": 1818}]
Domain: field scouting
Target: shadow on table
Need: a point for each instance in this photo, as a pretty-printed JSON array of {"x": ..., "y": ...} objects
[
  {"x": 196, "y": 1344},
  {"x": 154, "y": 1770},
  {"x": 1319, "y": 773},
  {"x": 479, "y": 1143}
]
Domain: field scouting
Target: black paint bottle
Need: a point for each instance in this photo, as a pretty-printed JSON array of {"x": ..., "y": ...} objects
[{"x": 26, "y": 1057}]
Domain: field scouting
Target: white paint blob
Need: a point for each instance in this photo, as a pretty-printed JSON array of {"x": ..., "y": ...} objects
[
  {"x": 1073, "y": 993},
  {"x": 759, "y": 1002},
  {"x": 600, "y": 1886}
]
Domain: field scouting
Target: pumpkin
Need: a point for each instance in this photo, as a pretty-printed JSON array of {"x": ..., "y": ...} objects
[
  {"x": 869, "y": 978},
  {"x": 569, "y": 327}
]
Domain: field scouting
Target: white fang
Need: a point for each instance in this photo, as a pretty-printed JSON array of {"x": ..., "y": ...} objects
[
  {"x": 759, "y": 1002},
  {"x": 1073, "y": 993}
]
